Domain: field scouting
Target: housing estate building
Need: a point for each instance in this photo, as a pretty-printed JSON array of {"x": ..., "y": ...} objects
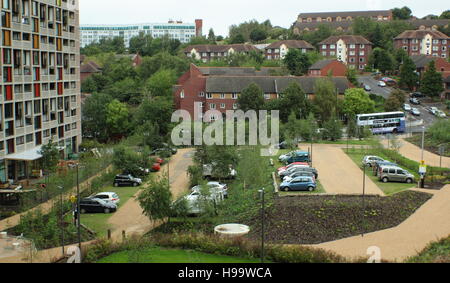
[
  {"x": 40, "y": 84},
  {"x": 329, "y": 66},
  {"x": 353, "y": 50},
  {"x": 184, "y": 32},
  {"x": 278, "y": 50},
  {"x": 208, "y": 52},
  {"x": 424, "y": 42},
  {"x": 205, "y": 89}
]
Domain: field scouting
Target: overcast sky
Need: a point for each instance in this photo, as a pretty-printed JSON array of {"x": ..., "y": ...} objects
[{"x": 219, "y": 15}]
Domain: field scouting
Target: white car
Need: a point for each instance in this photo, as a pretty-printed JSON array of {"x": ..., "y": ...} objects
[
  {"x": 433, "y": 110},
  {"x": 108, "y": 196},
  {"x": 415, "y": 112},
  {"x": 440, "y": 114},
  {"x": 194, "y": 200},
  {"x": 291, "y": 168},
  {"x": 222, "y": 187},
  {"x": 368, "y": 160},
  {"x": 407, "y": 107},
  {"x": 381, "y": 84}
]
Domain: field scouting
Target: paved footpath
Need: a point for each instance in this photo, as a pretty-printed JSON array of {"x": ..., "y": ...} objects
[
  {"x": 430, "y": 223},
  {"x": 338, "y": 173},
  {"x": 414, "y": 152}
]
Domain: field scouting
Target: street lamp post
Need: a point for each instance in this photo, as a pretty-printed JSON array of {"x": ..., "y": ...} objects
[
  {"x": 78, "y": 214},
  {"x": 62, "y": 220},
  {"x": 422, "y": 174},
  {"x": 262, "y": 193},
  {"x": 363, "y": 199}
]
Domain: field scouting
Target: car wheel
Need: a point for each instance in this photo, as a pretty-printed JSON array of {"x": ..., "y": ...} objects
[
  {"x": 83, "y": 211},
  {"x": 285, "y": 189},
  {"x": 107, "y": 211},
  {"x": 311, "y": 189},
  {"x": 135, "y": 184},
  {"x": 409, "y": 181},
  {"x": 385, "y": 180},
  {"x": 116, "y": 184}
]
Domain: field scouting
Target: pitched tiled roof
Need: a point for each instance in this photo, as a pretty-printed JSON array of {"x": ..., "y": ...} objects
[
  {"x": 352, "y": 14},
  {"x": 334, "y": 25},
  {"x": 322, "y": 64},
  {"x": 428, "y": 23},
  {"x": 348, "y": 39},
  {"x": 421, "y": 34},
  {"x": 230, "y": 71},
  {"x": 421, "y": 61},
  {"x": 291, "y": 44},
  {"x": 207, "y": 48},
  {"x": 268, "y": 84},
  {"x": 90, "y": 67}
]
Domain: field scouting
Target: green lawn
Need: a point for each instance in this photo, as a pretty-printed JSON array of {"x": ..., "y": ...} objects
[
  {"x": 99, "y": 221},
  {"x": 388, "y": 188},
  {"x": 162, "y": 255}
]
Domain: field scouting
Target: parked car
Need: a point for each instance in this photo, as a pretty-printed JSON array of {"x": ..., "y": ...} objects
[
  {"x": 194, "y": 200},
  {"x": 94, "y": 205},
  {"x": 292, "y": 165},
  {"x": 300, "y": 156},
  {"x": 377, "y": 165},
  {"x": 395, "y": 174},
  {"x": 156, "y": 167},
  {"x": 433, "y": 110},
  {"x": 407, "y": 107},
  {"x": 127, "y": 180},
  {"x": 417, "y": 95},
  {"x": 367, "y": 88},
  {"x": 299, "y": 169},
  {"x": 214, "y": 185},
  {"x": 208, "y": 172},
  {"x": 369, "y": 160},
  {"x": 299, "y": 184},
  {"x": 107, "y": 196},
  {"x": 414, "y": 101},
  {"x": 286, "y": 156},
  {"x": 381, "y": 84},
  {"x": 415, "y": 112},
  {"x": 440, "y": 114},
  {"x": 299, "y": 174}
]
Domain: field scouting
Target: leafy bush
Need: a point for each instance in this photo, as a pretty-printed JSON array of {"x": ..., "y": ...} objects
[{"x": 439, "y": 133}]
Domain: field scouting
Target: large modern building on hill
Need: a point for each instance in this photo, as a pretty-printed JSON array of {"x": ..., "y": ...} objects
[
  {"x": 424, "y": 42},
  {"x": 208, "y": 52},
  {"x": 353, "y": 50},
  {"x": 41, "y": 83},
  {"x": 184, "y": 32},
  {"x": 219, "y": 88}
]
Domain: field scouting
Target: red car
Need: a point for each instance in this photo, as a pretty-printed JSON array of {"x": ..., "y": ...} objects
[
  {"x": 156, "y": 167},
  {"x": 291, "y": 165}
]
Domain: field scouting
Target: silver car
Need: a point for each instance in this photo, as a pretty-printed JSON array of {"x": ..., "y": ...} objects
[{"x": 395, "y": 174}]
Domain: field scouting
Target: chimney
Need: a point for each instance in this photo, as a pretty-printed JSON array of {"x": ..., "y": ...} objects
[{"x": 198, "y": 27}]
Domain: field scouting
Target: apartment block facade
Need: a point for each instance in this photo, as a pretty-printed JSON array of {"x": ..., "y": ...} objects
[
  {"x": 278, "y": 50},
  {"x": 202, "y": 89},
  {"x": 352, "y": 50},
  {"x": 40, "y": 87},
  {"x": 208, "y": 52},
  {"x": 424, "y": 42},
  {"x": 184, "y": 32}
]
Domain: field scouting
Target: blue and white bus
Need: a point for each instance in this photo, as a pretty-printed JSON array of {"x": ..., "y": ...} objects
[{"x": 383, "y": 123}]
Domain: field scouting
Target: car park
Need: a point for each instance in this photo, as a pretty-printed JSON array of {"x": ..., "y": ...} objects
[
  {"x": 407, "y": 107},
  {"x": 127, "y": 180},
  {"x": 107, "y": 196},
  {"x": 299, "y": 169},
  {"x": 381, "y": 84},
  {"x": 395, "y": 174},
  {"x": 299, "y": 184},
  {"x": 369, "y": 160},
  {"x": 94, "y": 205},
  {"x": 415, "y": 112}
]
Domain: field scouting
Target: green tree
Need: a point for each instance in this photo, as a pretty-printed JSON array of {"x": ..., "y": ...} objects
[
  {"x": 50, "y": 156},
  {"x": 408, "y": 76},
  {"x": 127, "y": 160},
  {"x": 211, "y": 36},
  {"x": 325, "y": 99},
  {"x": 251, "y": 98},
  {"x": 162, "y": 61},
  {"x": 404, "y": 13},
  {"x": 237, "y": 39},
  {"x": 432, "y": 83},
  {"x": 258, "y": 35},
  {"x": 395, "y": 101},
  {"x": 445, "y": 15},
  {"x": 357, "y": 101},
  {"x": 158, "y": 111},
  {"x": 161, "y": 83},
  {"x": 297, "y": 62},
  {"x": 94, "y": 116},
  {"x": 332, "y": 129},
  {"x": 382, "y": 60},
  {"x": 351, "y": 75},
  {"x": 156, "y": 200},
  {"x": 117, "y": 118},
  {"x": 293, "y": 100}
]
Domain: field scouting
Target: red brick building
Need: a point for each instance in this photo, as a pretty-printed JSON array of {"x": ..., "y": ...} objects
[
  {"x": 324, "y": 67},
  {"x": 208, "y": 52},
  {"x": 278, "y": 50},
  {"x": 219, "y": 88},
  {"x": 424, "y": 42},
  {"x": 352, "y": 50},
  {"x": 88, "y": 69}
]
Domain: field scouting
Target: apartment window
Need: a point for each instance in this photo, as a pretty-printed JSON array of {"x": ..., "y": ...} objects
[
  {"x": 332, "y": 53},
  {"x": 324, "y": 46},
  {"x": 201, "y": 94},
  {"x": 352, "y": 53},
  {"x": 235, "y": 106},
  {"x": 20, "y": 140},
  {"x": 362, "y": 53},
  {"x": 332, "y": 46},
  {"x": 444, "y": 41},
  {"x": 209, "y": 96},
  {"x": 29, "y": 138},
  {"x": 212, "y": 106},
  {"x": 266, "y": 96},
  {"x": 222, "y": 96},
  {"x": 352, "y": 46},
  {"x": 235, "y": 96},
  {"x": 362, "y": 46},
  {"x": 222, "y": 105},
  {"x": 182, "y": 94}
]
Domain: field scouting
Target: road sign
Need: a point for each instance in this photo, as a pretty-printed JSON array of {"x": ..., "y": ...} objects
[
  {"x": 423, "y": 169},
  {"x": 73, "y": 199}
]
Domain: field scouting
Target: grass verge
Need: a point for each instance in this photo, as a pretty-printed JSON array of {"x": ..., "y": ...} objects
[{"x": 438, "y": 252}]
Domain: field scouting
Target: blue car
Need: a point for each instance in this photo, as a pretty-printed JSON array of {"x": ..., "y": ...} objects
[
  {"x": 299, "y": 156},
  {"x": 299, "y": 184}
]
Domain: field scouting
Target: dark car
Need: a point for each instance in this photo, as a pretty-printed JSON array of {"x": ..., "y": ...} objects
[
  {"x": 299, "y": 157},
  {"x": 94, "y": 205},
  {"x": 126, "y": 180},
  {"x": 417, "y": 95},
  {"x": 299, "y": 169}
]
